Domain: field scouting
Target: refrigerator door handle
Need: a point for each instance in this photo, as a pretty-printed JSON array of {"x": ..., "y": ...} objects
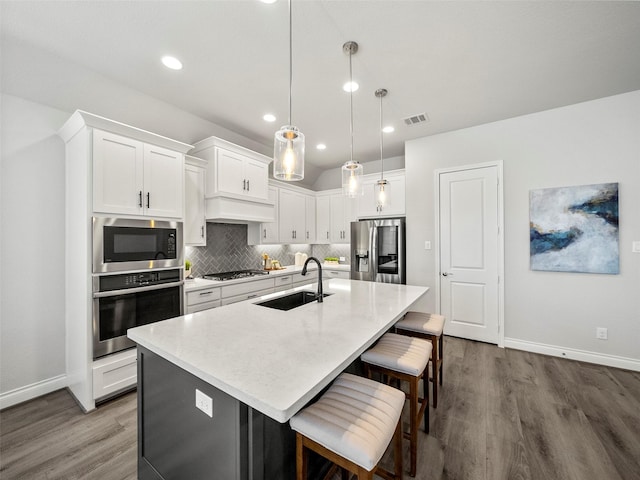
[{"x": 373, "y": 251}]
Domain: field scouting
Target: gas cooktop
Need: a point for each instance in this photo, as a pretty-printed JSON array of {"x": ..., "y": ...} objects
[{"x": 233, "y": 275}]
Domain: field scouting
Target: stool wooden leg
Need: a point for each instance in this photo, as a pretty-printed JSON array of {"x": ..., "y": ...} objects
[
  {"x": 434, "y": 370},
  {"x": 441, "y": 355},
  {"x": 397, "y": 450},
  {"x": 301, "y": 458},
  {"x": 413, "y": 424},
  {"x": 425, "y": 395}
]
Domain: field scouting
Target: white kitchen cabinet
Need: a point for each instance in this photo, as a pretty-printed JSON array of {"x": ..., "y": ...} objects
[
  {"x": 292, "y": 207},
  {"x": 114, "y": 373},
  {"x": 195, "y": 227},
  {"x": 328, "y": 273},
  {"x": 236, "y": 184},
  {"x": 132, "y": 177},
  {"x": 265, "y": 233},
  {"x": 202, "y": 299},
  {"x": 395, "y": 192},
  {"x": 310, "y": 218},
  {"x": 282, "y": 282},
  {"x": 323, "y": 219},
  {"x": 342, "y": 214},
  {"x": 299, "y": 279}
]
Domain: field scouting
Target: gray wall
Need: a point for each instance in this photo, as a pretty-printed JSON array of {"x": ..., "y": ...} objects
[{"x": 587, "y": 143}]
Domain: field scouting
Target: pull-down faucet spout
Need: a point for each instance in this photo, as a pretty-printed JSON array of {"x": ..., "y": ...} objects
[{"x": 319, "y": 295}]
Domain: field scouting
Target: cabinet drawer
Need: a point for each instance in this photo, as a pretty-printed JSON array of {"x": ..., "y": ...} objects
[
  {"x": 201, "y": 296},
  {"x": 202, "y": 306},
  {"x": 114, "y": 373},
  {"x": 246, "y": 287},
  {"x": 283, "y": 282},
  {"x": 337, "y": 274},
  {"x": 246, "y": 296},
  {"x": 310, "y": 277}
]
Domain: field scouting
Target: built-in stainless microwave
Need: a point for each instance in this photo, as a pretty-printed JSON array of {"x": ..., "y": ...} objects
[{"x": 122, "y": 244}]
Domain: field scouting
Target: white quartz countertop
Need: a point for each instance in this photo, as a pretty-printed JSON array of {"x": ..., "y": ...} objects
[
  {"x": 277, "y": 361},
  {"x": 196, "y": 283}
]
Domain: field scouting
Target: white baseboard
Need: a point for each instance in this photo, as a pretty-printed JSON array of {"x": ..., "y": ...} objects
[
  {"x": 32, "y": 391},
  {"x": 574, "y": 354}
]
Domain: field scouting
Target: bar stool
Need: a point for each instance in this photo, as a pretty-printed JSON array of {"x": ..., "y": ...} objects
[
  {"x": 428, "y": 326},
  {"x": 352, "y": 425},
  {"x": 405, "y": 359}
]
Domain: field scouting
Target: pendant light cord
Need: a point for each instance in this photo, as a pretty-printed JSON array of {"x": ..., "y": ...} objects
[
  {"x": 290, "y": 61},
  {"x": 381, "y": 158},
  {"x": 351, "y": 103}
]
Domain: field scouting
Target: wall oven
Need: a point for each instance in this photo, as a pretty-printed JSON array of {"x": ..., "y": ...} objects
[
  {"x": 122, "y": 244},
  {"x": 128, "y": 300}
]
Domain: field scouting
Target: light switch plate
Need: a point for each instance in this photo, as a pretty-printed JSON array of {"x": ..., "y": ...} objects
[
  {"x": 204, "y": 403},
  {"x": 635, "y": 246}
]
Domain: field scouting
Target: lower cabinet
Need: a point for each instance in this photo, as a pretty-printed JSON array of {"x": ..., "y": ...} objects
[
  {"x": 114, "y": 374},
  {"x": 202, "y": 299},
  {"x": 328, "y": 273}
]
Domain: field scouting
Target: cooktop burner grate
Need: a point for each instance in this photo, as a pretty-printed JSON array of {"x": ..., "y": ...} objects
[{"x": 234, "y": 274}]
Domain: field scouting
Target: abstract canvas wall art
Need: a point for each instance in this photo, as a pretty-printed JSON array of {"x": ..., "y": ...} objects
[{"x": 574, "y": 229}]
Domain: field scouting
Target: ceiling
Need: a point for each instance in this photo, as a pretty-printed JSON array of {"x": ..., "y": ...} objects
[{"x": 460, "y": 63}]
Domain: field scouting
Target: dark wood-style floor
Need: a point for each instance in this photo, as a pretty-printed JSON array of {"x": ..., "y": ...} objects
[{"x": 502, "y": 414}]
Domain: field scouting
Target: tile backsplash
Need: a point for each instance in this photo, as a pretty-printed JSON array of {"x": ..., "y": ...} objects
[{"x": 227, "y": 250}]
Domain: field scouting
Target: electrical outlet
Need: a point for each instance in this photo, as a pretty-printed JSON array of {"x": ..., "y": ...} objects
[
  {"x": 204, "y": 403},
  {"x": 635, "y": 246},
  {"x": 427, "y": 245},
  {"x": 601, "y": 333},
  {"x": 342, "y": 259}
]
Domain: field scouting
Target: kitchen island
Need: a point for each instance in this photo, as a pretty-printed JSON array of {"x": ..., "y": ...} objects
[{"x": 216, "y": 388}]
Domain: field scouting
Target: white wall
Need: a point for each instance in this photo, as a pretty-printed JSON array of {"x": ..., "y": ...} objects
[
  {"x": 587, "y": 143},
  {"x": 332, "y": 178},
  {"x": 32, "y": 246}
]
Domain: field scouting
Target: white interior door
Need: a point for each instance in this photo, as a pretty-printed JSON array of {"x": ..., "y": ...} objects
[{"x": 470, "y": 252}]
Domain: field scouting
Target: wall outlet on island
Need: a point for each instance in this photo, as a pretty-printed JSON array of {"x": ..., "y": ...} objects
[
  {"x": 342, "y": 259},
  {"x": 204, "y": 403},
  {"x": 601, "y": 333}
]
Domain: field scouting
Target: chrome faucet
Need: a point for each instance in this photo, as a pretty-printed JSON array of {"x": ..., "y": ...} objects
[{"x": 319, "y": 295}]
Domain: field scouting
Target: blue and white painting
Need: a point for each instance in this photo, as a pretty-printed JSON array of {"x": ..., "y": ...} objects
[{"x": 575, "y": 229}]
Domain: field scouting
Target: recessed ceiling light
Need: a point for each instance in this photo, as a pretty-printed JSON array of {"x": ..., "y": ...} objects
[
  {"x": 172, "y": 62},
  {"x": 269, "y": 117},
  {"x": 321, "y": 146},
  {"x": 388, "y": 129},
  {"x": 350, "y": 86}
]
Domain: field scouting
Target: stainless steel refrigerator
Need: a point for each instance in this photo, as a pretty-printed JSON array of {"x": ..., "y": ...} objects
[{"x": 378, "y": 250}]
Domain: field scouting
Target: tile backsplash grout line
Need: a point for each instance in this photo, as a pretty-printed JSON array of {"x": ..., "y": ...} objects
[{"x": 227, "y": 250}]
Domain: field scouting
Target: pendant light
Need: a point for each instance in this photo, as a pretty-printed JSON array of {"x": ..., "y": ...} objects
[
  {"x": 288, "y": 147},
  {"x": 381, "y": 185},
  {"x": 352, "y": 170}
]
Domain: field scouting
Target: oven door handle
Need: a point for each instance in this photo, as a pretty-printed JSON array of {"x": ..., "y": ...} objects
[{"x": 125, "y": 291}]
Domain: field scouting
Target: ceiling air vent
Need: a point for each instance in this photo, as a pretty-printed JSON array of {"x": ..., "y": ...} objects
[{"x": 415, "y": 119}]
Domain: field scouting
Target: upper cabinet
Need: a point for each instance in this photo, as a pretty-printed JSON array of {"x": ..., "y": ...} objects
[
  {"x": 135, "y": 178},
  {"x": 195, "y": 227},
  {"x": 237, "y": 182},
  {"x": 334, "y": 214},
  {"x": 395, "y": 196},
  {"x": 292, "y": 206},
  {"x": 310, "y": 218}
]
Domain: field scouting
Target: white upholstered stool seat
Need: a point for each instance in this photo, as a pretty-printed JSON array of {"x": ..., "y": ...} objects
[
  {"x": 405, "y": 359},
  {"x": 428, "y": 326},
  {"x": 355, "y": 420}
]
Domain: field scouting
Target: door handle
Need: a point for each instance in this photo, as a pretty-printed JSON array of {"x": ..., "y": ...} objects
[{"x": 445, "y": 274}]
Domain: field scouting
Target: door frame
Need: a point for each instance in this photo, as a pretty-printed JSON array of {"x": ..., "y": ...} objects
[{"x": 500, "y": 240}]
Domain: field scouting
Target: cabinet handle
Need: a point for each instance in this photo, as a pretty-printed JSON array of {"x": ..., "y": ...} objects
[
  {"x": 148, "y": 200},
  {"x": 307, "y": 235},
  {"x": 244, "y": 185},
  {"x": 327, "y": 234},
  {"x": 207, "y": 293},
  {"x": 264, "y": 233},
  {"x": 202, "y": 231},
  {"x": 140, "y": 198},
  {"x": 252, "y": 296},
  {"x": 248, "y": 186}
]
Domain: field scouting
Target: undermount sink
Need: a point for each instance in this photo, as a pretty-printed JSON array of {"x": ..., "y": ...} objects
[{"x": 293, "y": 300}]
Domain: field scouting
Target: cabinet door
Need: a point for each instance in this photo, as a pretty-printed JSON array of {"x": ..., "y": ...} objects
[
  {"x": 337, "y": 233},
  {"x": 229, "y": 175},
  {"x": 349, "y": 212},
  {"x": 269, "y": 233},
  {"x": 163, "y": 182},
  {"x": 117, "y": 174},
  {"x": 292, "y": 211},
  {"x": 310, "y": 219},
  {"x": 323, "y": 219},
  {"x": 368, "y": 202},
  {"x": 256, "y": 174},
  {"x": 194, "y": 213},
  {"x": 395, "y": 204}
]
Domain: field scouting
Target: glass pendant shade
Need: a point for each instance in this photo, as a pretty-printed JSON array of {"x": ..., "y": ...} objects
[
  {"x": 288, "y": 154},
  {"x": 382, "y": 190},
  {"x": 352, "y": 172}
]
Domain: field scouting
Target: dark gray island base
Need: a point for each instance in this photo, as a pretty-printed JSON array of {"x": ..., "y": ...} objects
[{"x": 177, "y": 441}]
